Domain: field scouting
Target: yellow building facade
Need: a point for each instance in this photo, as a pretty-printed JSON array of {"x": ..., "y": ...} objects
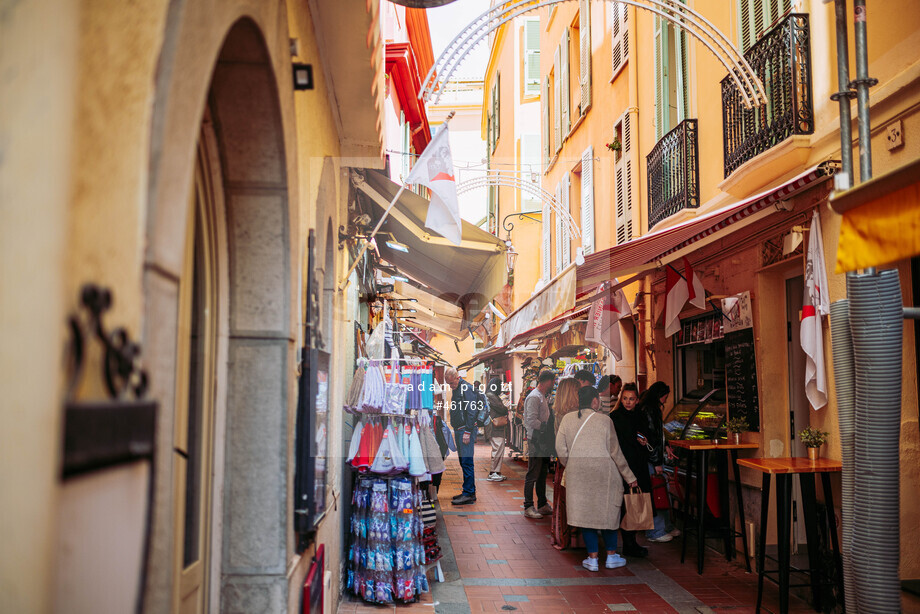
[{"x": 649, "y": 108}]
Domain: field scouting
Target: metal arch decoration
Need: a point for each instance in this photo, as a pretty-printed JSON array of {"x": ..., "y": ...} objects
[
  {"x": 512, "y": 180},
  {"x": 682, "y": 16}
]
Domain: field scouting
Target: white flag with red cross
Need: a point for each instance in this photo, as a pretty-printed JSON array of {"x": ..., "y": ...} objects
[
  {"x": 435, "y": 170},
  {"x": 816, "y": 305}
]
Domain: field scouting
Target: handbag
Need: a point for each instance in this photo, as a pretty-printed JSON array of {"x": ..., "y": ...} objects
[
  {"x": 639, "y": 515},
  {"x": 562, "y": 481},
  {"x": 500, "y": 421},
  {"x": 660, "y": 496}
]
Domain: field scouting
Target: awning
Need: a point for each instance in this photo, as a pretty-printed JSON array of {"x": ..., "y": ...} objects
[
  {"x": 492, "y": 352},
  {"x": 557, "y": 297},
  {"x": 470, "y": 274},
  {"x": 663, "y": 246},
  {"x": 881, "y": 220},
  {"x": 549, "y": 328},
  {"x": 431, "y": 313}
]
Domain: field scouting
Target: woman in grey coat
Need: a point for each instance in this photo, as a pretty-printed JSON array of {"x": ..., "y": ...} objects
[{"x": 594, "y": 473}]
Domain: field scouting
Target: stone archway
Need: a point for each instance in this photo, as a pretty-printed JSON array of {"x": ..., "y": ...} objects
[{"x": 250, "y": 519}]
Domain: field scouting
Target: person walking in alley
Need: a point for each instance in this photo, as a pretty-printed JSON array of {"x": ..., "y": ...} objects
[
  {"x": 538, "y": 422},
  {"x": 628, "y": 423},
  {"x": 497, "y": 430},
  {"x": 594, "y": 473},
  {"x": 585, "y": 377},
  {"x": 651, "y": 404},
  {"x": 464, "y": 404},
  {"x": 566, "y": 402},
  {"x": 609, "y": 389}
]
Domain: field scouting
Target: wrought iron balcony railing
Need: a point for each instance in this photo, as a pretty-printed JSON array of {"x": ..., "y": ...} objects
[
  {"x": 674, "y": 173},
  {"x": 782, "y": 59}
]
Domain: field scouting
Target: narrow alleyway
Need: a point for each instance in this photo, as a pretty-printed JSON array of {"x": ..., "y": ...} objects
[{"x": 496, "y": 560}]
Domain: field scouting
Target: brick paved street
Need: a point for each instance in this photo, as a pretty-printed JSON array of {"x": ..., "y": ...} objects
[{"x": 496, "y": 560}]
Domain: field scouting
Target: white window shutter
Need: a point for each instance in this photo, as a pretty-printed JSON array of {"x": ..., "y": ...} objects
[
  {"x": 619, "y": 176},
  {"x": 557, "y": 101},
  {"x": 619, "y": 45},
  {"x": 628, "y": 180},
  {"x": 545, "y": 248},
  {"x": 681, "y": 65},
  {"x": 496, "y": 127},
  {"x": 587, "y": 200},
  {"x": 559, "y": 240},
  {"x": 566, "y": 96},
  {"x": 661, "y": 77},
  {"x": 566, "y": 231},
  {"x": 531, "y": 57},
  {"x": 584, "y": 38},
  {"x": 547, "y": 141}
]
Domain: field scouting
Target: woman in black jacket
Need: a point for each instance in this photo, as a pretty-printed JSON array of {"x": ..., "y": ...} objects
[
  {"x": 651, "y": 404},
  {"x": 497, "y": 430},
  {"x": 628, "y": 422}
]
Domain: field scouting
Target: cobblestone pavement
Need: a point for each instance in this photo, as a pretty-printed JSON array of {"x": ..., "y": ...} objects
[{"x": 495, "y": 560}]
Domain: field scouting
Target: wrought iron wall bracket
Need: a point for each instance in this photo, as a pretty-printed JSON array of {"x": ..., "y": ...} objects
[
  {"x": 508, "y": 226},
  {"x": 121, "y": 358}
]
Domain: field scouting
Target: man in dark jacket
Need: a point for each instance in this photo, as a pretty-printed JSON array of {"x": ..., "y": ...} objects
[{"x": 464, "y": 407}]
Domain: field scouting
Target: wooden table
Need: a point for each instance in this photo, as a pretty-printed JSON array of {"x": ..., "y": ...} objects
[
  {"x": 785, "y": 469},
  {"x": 698, "y": 453}
]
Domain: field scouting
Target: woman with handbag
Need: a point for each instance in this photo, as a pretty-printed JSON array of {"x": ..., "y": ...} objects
[
  {"x": 651, "y": 405},
  {"x": 594, "y": 473},
  {"x": 497, "y": 429},
  {"x": 627, "y": 422},
  {"x": 565, "y": 403}
]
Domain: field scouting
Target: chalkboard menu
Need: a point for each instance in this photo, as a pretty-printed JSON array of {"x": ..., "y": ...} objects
[{"x": 741, "y": 377}]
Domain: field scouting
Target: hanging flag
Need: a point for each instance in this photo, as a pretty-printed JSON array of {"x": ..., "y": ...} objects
[
  {"x": 676, "y": 294},
  {"x": 604, "y": 321},
  {"x": 696, "y": 293},
  {"x": 816, "y": 305},
  {"x": 435, "y": 170}
]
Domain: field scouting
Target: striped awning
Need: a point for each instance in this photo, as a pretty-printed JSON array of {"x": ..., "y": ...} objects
[{"x": 669, "y": 244}]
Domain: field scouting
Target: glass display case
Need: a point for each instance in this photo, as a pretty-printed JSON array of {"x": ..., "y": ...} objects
[{"x": 700, "y": 414}]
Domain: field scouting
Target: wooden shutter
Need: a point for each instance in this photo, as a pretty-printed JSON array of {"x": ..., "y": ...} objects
[
  {"x": 628, "y": 157},
  {"x": 661, "y": 78},
  {"x": 557, "y": 101},
  {"x": 584, "y": 38},
  {"x": 587, "y": 200},
  {"x": 547, "y": 141},
  {"x": 619, "y": 37},
  {"x": 545, "y": 247},
  {"x": 566, "y": 231},
  {"x": 566, "y": 96},
  {"x": 623, "y": 177},
  {"x": 559, "y": 240},
  {"x": 532, "y": 57}
]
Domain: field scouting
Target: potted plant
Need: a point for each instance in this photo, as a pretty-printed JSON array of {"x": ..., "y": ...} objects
[
  {"x": 736, "y": 426},
  {"x": 813, "y": 439},
  {"x": 614, "y": 145}
]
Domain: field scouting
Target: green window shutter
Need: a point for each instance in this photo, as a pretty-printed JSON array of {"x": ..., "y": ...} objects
[
  {"x": 661, "y": 78},
  {"x": 557, "y": 101},
  {"x": 683, "y": 74},
  {"x": 745, "y": 25},
  {"x": 547, "y": 143},
  {"x": 532, "y": 57},
  {"x": 559, "y": 240},
  {"x": 498, "y": 115},
  {"x": 566, "y": 96},
  {"x": 587, "y": 200},
  {"x": 545, "y": 246},
  {"x": 584, "y": 39}
]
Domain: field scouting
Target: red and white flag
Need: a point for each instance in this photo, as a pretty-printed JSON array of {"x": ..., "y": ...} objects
[
  {"x": 435, "y": 170},
  {"x": 677, "y": 292},
  {"x": 604, "y": 321},
  {"x": 816, "y": 305},
  {"x": 696, "y": 293}
]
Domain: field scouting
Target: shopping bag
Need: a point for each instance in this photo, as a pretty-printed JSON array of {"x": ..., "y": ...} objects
[
  {"x": 660, "y": 495},
  {"x": 639, "y": 514}
]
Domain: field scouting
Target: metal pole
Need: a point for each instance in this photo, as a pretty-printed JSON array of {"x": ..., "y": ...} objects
[
  {"x": 862, "y": 83},
  {"x": 844, "y": 94}
]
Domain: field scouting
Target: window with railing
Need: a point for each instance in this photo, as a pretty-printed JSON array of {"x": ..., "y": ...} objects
[
  {"x": 782, "y": 60},
  {"x": 673, "y": 173}
]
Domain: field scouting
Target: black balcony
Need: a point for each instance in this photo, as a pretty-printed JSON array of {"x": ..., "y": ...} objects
[
  {"x": 782, "y": 60},
  {"x": 674, "y": 173}
]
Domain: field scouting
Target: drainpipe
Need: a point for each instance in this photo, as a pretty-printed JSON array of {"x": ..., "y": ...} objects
[
  {"x": 844, "y": 94},
  {"x": 862, "y": 84},
  {"x": 645, "y": 329}
]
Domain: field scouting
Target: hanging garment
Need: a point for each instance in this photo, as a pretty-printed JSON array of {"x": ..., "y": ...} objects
[
  {"x": 353, "y": 398},
  {"x": 431, "y": 451},
  {"x": 355, "y": 442},
  {"x": 417, "y": 465},
  {"x": 362, "y": 460},
  {"x": 383, "y": 462}
]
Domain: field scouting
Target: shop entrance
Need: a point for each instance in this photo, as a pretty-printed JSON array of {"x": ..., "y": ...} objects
[{"x": 798, "y": 403}]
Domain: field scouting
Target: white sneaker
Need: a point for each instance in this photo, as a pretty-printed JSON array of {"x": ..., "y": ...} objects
[
  {"x": 497, "y": 477},
  {"x": 661, "y": 540},
  {"x": 614, "y": 561},
  {"x": 590, "y": 564}
]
